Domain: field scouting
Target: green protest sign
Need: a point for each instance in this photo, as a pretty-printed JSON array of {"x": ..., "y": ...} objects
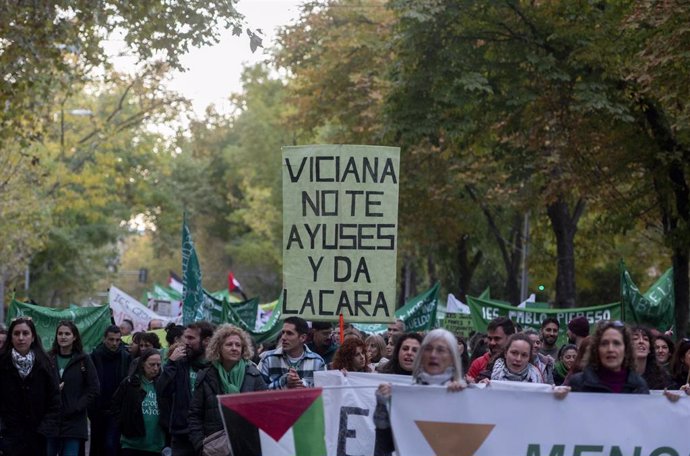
[
  {"x": 459, "y": 324},
  {"x": 419, "y": 314},
  {"x": 91, "y": 321},
  {"x": 340, "y": 220},
  {"x": 655, "y": 308},
  {"x": 485, "y": 310}
]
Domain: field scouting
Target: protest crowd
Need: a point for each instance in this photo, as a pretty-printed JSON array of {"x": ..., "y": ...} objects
[{"x": 140, "y": 399}]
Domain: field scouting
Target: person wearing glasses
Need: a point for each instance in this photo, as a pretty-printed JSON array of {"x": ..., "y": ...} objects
[
  {"x": 79, "y": 388},
  {"x": 611, "y": 364},
  {"x": 29, "y": 392},
  {"x": 437, "y": 363},
  {"x": 135, "y": 408},
  {"x": 322, "y": 341}
]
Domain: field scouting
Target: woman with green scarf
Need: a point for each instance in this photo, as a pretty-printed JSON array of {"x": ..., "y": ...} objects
[
  {"x": 229, "y": 351},
  {"x": 566, "y": 359}
]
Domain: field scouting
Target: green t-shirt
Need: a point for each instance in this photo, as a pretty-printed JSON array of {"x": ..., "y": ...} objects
[
  {"x": 154, "y": 440},
  {"x": 192, "y": 379},
  {"x": 62, "y": 362}
]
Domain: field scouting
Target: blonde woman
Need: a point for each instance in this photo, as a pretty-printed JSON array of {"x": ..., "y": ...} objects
[{"x": 229, "y": 351}]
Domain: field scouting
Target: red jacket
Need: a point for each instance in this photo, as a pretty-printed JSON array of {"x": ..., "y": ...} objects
[{"x": 478, "y": 365}]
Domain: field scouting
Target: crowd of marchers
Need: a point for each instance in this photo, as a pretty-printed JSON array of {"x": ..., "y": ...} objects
[{"x": 140, "y": 399}]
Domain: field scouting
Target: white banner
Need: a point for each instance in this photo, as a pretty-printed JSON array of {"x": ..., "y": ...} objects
[
  {"x": 349, "y": 402},
  {"x": 454, "y": 305},
  {"x": 125, "y": 306},
  {"x": 428, "y": 420}
]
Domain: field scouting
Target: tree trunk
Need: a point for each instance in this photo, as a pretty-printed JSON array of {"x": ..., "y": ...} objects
[
  {"x": 511, "y": 249},
  {"x": 681, "y": 287},
  {"x": 564, "y": 227},
  {"x": 466, "y": 267},
  {"x": 673, "y": 193}
]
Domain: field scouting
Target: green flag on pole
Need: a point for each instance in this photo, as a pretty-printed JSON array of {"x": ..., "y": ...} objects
[
  {"x": 655, "y": 308},
  {"x": 193, "y": 296}
]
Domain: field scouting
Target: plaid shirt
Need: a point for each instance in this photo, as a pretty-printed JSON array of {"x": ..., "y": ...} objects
[{"x": 275, "y": 364}]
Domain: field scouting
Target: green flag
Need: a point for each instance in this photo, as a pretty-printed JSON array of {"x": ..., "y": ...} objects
[
  {"x": 485, "y": 310},
  {"x": 245, "y": 311},
  {"x": 655, "y": 308},
  {"x": 419, "y": 314},
  {"x": 91, "y": 321},
  {"x": 194, "y": 299}
]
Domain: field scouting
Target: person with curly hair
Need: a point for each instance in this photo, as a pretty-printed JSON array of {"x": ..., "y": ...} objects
[
  {"x": 611, "y": 364},
  {"x": 352, "y": 356},
  {"x": 230, "y": 352},
  {"x": 663, "y": 349},
  {"x": 645, "y": 360},
  {"x": 404, "y": 354}
]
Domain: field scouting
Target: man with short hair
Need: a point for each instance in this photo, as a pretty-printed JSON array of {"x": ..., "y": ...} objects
[
  {"x": 292, "y": 364},
  {"x": 549, "y": 337},
  {"x": 155, "y": 324},
  {"x": 112, "y": 364},
  {"x": 126, "y": 327},
  {"x": 578, "y": 330},
  {"x": 397, "y": 327},
  {"x": 175, "y": 385},
  {"x": 498, "y": 331},
  {"x": 322, "y": 342},
  {"x": 544, "y": 363}
]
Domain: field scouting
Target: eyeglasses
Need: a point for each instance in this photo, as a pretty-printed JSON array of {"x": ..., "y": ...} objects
[
  {"x": 617, "y": 324},
  {"x": 22, "y": 318},
  {"x": 439, "y": 350}
]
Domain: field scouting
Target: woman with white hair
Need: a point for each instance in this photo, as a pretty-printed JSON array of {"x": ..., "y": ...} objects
[{"x": 437, "y": 363}]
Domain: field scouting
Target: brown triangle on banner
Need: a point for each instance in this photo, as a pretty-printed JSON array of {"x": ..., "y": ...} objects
[{"x": 454, "y": 439}]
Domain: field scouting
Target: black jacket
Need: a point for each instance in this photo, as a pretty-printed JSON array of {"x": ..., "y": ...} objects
[
  {"x": 79, "y": 391},
  {"x": 32, "y": 403},
  {"x": 588, "y": 381},
  {"x": 112, "y": 368},
  {"x": 126, "y": 407},
  {"x": 174, "y": 395},
  {"x": 204, "y": 415}
]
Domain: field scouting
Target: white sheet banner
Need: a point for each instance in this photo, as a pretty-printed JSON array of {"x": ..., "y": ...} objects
[
  {"x": 428, "y": 420},
  {"x": 454, "y": 305},
  {"x": 125, "y": 306},
  {"x": 349, "y": 402}
]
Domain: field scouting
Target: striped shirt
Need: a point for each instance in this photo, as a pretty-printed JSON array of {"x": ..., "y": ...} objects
[{"x": 275, "y": 364}]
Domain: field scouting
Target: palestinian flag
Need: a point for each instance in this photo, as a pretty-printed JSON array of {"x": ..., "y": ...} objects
[{"x": 275, "y": 423}]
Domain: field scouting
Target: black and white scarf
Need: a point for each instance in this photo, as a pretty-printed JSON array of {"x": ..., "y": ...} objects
[
  {"x": 501, "y": 372},
  {"x": 24, "y": 364}
]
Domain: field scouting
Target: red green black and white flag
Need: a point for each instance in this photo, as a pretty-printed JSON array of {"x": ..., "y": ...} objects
[{"x": 275, "y": 423}]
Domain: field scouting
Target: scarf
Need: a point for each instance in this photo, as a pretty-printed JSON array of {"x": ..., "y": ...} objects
[
  {"x": 561, "y": 369},
  {"x": 437, "y": 379},
  {"x": 24, "y": 364},
  {"x": 501, "y": 372},
  {"x": 231, "y": 382}
]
